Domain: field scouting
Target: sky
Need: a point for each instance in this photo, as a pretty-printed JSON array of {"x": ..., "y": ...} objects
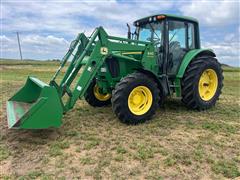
[{"x": 47, "y": 27}]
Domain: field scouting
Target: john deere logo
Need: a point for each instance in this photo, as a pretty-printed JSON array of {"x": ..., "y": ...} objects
[{"x": 104, "y": 50}]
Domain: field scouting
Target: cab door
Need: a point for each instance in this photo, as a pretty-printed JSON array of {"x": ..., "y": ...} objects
[
  {"x": 177, "y": 45},
  {"x": 181, "y": 39}
]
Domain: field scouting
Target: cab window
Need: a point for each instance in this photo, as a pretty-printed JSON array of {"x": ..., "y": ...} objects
[
  {"x": 191, "y": 36},
  {"x": 177, "y": 33},
  {"x": 145, "y": 34},
  {"x": 177, "y": 45},
  {"x": 151, "y": 32}
]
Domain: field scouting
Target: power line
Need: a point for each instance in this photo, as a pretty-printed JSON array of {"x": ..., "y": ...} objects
[{"x": 19, "y": 45}]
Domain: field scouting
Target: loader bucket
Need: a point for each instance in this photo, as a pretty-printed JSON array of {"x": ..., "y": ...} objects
[{"x": 35, "y": 106}]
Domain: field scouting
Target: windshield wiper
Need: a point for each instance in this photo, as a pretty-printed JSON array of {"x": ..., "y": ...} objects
[
  {"x": 154, "y": 31},
  {"x": 173, "y": 36}
]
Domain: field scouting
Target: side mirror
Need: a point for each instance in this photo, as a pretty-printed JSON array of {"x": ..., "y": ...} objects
[{"x": 129, "y": 31}]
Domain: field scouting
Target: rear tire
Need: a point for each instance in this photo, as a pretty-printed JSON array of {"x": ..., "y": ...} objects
[
  {"x": 95, "y": 98},
  {"x": 202, "y": 83},
  {"x": 135, "y": 98}
]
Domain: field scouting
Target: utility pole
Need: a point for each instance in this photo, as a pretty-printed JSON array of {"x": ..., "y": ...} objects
[{"x": 19, "y": 45}]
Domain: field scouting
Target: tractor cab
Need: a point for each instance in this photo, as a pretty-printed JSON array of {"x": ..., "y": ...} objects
[{"x": 172, "y": 36}]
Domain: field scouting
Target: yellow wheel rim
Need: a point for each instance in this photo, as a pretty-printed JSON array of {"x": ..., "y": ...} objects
[
  {"x": 100, "y": 96},
  {"x": 140, "y": 100},
  {"x": 208, "y": 84}
]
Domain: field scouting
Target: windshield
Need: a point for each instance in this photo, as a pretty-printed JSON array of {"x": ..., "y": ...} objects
[{"x": 151, "y": 32}]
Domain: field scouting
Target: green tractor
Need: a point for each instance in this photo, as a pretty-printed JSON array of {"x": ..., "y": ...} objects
[{"x": 161, "y": 58}]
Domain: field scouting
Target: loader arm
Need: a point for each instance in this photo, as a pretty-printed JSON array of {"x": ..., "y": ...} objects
[{"x": 98, "y": 46}]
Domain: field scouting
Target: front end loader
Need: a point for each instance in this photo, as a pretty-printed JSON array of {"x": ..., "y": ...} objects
[
  {"x": 135, "y": 74},
  {"x": 38, "y": 105}
]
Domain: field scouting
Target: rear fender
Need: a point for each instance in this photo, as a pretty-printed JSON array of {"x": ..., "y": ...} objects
[
  {"x": 185, "y": 62},
  {"x": 191, "y": 55}
]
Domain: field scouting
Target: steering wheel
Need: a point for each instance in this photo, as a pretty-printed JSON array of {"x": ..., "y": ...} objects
[{"x": 155, "y": 40}]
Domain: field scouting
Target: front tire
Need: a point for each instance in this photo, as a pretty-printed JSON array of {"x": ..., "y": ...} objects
[
  {"x": 95, "y": 98},
  {"x": 135, "y": 98},
  {"x": 202, "y": 83}
]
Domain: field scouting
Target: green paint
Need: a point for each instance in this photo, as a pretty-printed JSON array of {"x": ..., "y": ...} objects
[{"x": 177, "y": 84}]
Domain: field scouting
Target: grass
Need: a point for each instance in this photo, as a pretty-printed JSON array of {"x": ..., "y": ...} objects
[
  {"x": 92, "y": 144},
  {"x": 4, "y": 153},
  {"x": 144, "y": 152},
  {"x": 87, "y": 161},
  {"x": 169, "y": 161},
  {"x": 227, "y": 168},
  {"x": 56, "y": 148},
  {"x": 121, "y": 150}
]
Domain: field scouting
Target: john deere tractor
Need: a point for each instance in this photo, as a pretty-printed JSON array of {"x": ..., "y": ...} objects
[{"x": 163, "y": 57}]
